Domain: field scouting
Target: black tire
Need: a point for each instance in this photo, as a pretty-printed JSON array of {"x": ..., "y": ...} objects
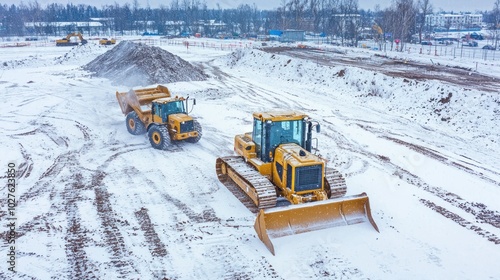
[
  {"x": 197, "y": 128},
  {"x": 134, "y": 125},
  {"x": 159, "y": 137}
]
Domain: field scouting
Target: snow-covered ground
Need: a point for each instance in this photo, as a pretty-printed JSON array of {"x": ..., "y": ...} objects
[{"x": 97, "y": 202}]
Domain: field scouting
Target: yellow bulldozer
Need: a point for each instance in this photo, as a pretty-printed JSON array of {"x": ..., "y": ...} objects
[
  {"x": 164, "y": 117},
  {"x": 275, "y": 164},
  {"x": 72, "y": 39}
]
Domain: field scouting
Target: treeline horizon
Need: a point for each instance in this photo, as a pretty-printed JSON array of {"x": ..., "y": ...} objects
[{"x": 342, "y": 18}]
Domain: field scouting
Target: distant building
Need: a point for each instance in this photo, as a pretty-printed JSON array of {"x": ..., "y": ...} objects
[
  {"x": 63, "y": 27},
  {"x": 454, "y": 21},
  {"x": 292, "y": 36}
]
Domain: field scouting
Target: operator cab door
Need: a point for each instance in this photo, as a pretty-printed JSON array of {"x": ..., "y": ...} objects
[
  {"x": 261, "y": 138},
  {"x": 257, "y": 137},
  {"x": 160, "y": 111}
]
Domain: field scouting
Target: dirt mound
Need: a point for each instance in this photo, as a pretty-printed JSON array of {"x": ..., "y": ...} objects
[{"x": 135, "y": 64}]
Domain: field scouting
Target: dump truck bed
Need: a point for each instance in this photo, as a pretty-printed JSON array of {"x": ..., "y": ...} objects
[{"x": 134, "y": 99}]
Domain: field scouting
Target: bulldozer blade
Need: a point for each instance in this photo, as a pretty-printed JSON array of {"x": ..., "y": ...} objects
[{"x": 295, "y": 219}]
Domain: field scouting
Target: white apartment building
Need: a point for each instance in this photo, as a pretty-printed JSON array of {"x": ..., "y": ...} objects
[{"x": 454, "y": 21}]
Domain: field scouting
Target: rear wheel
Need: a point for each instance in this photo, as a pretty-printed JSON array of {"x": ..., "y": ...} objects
[
  {"x": 134, "y": 124},
  {"x": 197, "y": 128},
  {"x": 159, "y": 137}
]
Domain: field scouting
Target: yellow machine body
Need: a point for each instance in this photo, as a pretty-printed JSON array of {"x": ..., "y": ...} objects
[
  {"x": 106, "y": 41},
  {"x": 150, "y": 105},
  {"x": 72, "y": 39},
  {"x": 279, "y": 149}
]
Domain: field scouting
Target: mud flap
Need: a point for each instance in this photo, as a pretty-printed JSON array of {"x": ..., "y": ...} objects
[{"x": 295, "y": 219}]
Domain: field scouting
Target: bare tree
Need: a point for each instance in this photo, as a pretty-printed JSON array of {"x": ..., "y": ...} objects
[
  {"x": 244, "y": 18},
  {"x": 425, "y": 8},
  {"x": 283, "y": 14},
  {"x": 346, "y": 20},
  {"x": 297, "y": 12},
  {"x": 314, "y": 10},
  {"x": 496, "y": 22},
  {"x": 403, "y": 20},
  {"x": 354, "y": 23}
]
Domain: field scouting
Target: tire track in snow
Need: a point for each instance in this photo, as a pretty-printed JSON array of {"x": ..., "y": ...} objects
[
  {"x": 156, "y": 247},
  {"x": 76, "y": 235},
  {"x": 25, "y": 168},
  {"x": 448, "y": 161},
  {"x": 479, "y": 211},
  {"x": 120, "y": 255},
  {"x": 461, "y": 221},
  {"x": 205, "y": 229},
  {"x": 122, "y": 261},
  {"x": 46, "y": 181},
  {"x": 246, "y": 89}
]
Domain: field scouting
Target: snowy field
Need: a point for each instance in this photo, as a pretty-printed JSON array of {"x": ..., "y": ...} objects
[{"x": 95, "y": 202}]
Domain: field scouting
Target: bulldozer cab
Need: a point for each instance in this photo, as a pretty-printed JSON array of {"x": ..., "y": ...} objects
[{"x": 270, "y": 130}]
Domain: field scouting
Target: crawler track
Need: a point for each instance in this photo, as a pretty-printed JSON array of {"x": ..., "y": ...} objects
[
  {"x": 257, "y": 187},
  {"x": 336, "y": 182}
]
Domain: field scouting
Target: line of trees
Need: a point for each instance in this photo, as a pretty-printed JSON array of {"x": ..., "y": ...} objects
[{"x": 341, "y": 18}]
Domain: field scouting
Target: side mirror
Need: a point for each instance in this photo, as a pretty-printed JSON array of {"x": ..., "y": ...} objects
[{"x": 318, "y": 128}]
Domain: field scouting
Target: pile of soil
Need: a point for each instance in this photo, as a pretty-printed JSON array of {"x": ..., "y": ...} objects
[{"x": 135, "y": 64}]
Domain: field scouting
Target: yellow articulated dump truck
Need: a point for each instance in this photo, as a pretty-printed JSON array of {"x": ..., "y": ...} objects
[
  {"x": 164, "y": 117},
  {"x": 275, "y": 164}
]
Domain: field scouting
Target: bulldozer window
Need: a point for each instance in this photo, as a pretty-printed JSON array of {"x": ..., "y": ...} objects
[
  {"x": 257, "y": 136},
  {"x": 287, "y": 132}
]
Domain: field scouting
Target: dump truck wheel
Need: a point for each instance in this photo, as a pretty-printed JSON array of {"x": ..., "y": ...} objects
[
  {"x": 134, "y": 124},
  {"x": 197, "y": 128},
  {"x": 159, "y": 137}
]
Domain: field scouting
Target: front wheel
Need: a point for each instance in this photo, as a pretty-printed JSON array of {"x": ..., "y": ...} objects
[
  {"x": 197, "y": 128},
  {"x": 159, "y": 137}
]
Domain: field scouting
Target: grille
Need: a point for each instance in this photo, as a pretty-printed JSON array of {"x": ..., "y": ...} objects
[
  {"x": 308, "y": 178},
  {"x": 187, "y": 126}
]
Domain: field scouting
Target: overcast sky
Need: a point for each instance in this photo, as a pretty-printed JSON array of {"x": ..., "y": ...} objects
[{"x": 446, "y": 5}]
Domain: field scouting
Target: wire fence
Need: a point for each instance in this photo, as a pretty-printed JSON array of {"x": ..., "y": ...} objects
[
  {"x": 459, "y": 52},
  {"x": 455, "y": 51},
  {"x": 198, "y": 43}
]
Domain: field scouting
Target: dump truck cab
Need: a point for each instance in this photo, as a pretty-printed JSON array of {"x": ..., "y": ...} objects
[{"x": 173, "y": 112}]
